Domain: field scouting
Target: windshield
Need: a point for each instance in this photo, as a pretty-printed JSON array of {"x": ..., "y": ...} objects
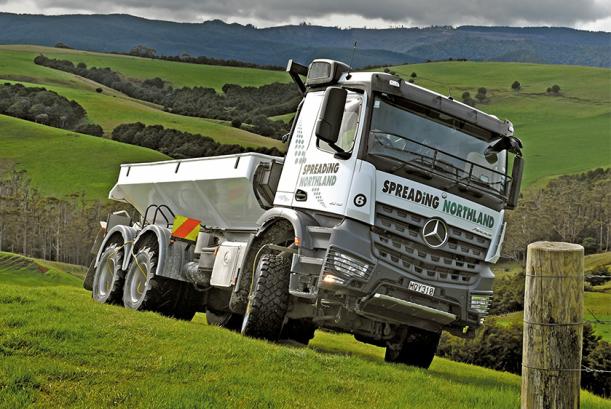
[{"x": 435, "y": 142}]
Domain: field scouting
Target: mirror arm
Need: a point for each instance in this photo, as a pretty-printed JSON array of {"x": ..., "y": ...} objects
[{"x": 339, "y": 152}]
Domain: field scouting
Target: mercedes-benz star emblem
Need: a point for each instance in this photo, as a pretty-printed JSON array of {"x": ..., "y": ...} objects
[{"x": 435, "y": 233}]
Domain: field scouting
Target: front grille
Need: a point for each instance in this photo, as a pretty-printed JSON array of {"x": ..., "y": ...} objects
[{"x": 397, "y": 240}]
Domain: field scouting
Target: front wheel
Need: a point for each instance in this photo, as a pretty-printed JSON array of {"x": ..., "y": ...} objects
[
  {"x": 417, "y": 349},
  {"x": 268, "y": 301},
  {"x": 227, "y": 320},
  {"x": 299, "y": 330}
]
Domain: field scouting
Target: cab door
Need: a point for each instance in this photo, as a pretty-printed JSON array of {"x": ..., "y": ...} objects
[{"x": 316, "y": 177}]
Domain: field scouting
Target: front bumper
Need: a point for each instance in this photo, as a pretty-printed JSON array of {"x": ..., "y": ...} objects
[{"x": 378, "y": 288}]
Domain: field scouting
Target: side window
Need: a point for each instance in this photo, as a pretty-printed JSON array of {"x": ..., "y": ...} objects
[{"x": 350, "y": 124}]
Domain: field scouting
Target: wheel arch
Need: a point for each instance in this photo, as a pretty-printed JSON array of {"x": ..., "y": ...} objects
[
  {"x": 127, "y": 235},
  {"x": 297, "y": 219},
  {"x": 162, "y": 235}
]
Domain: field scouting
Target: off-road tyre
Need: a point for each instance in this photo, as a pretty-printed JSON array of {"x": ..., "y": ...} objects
[
  {"x": 417, "y": 348},
  {"x": 280, "y": 233},
  {"x": 108, "y": 278},
  {"x": 300, "y": 330},
  {"x": 224, "y": 319},
  {"x": 269, "y": 298},
  {"x": 145, "y": 291}
]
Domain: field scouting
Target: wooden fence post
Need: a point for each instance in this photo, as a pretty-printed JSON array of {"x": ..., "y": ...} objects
[{"x": 553, "y": 326}]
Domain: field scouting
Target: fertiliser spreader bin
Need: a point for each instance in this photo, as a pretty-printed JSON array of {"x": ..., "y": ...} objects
[{"x": 382, "y": 220}]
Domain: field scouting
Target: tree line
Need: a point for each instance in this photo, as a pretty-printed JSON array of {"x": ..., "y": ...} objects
[
  {"x": 178, "y": 144},
  {"x": 60, "y": 229},
  {"x": 241, "y": 105},
  {"x": 149, "y": 52},
  {"x": 45, "y": 107},
  {"x": 499, "y": 347},
  {"x": 571, "y": 208}
]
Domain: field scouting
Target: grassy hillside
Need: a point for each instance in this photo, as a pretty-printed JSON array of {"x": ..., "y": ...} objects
[
  {"x": 112, "y": 108},
  {"x": 562, "y": 134},
  {"x": 60, "y": 349},
  {"x": 179, "y": 74},
  {"x": 61, "y": 162}
]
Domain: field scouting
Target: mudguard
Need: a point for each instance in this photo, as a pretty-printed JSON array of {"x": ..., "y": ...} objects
[
  {"x": 299, "y": 222},
  {"x": 128, "y": 235},
  {"x": 298, "y": 219},
  {"x": 163, "y": 239}
]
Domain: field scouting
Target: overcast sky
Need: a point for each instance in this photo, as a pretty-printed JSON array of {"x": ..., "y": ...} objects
[{"x": 583, "y": 14}]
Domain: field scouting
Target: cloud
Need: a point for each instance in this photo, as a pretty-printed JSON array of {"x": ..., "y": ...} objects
[{"x": 407, "y": 12}]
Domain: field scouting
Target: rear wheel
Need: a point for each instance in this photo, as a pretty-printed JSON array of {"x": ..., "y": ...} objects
[
  {"x": 145, "y": 291},
  {"x": 417, "y": 348},
  {"x": 109, "y": 277},
  {"x": 268, "y": 299}
]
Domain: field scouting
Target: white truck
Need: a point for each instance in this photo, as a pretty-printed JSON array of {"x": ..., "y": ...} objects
[{"x": 382, "y": 220}]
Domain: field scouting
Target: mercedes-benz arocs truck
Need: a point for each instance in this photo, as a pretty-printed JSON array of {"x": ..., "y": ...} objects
[{"x": 382, "y": 220}]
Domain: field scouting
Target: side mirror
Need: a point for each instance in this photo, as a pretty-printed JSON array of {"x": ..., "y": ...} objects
[
  {"x": 512, "y": 144},
  {"x": 516, "y": 182},
  {"x": 331, "y": 113}
]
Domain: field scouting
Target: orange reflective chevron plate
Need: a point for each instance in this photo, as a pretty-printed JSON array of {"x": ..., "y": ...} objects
[{"x": 185, "y": 228}]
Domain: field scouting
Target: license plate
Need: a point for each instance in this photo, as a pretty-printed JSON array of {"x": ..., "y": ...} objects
[{"x": 421, "y": 288}]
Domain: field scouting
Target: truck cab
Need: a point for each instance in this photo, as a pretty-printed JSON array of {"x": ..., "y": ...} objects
[{"x": 382, "y": 220}]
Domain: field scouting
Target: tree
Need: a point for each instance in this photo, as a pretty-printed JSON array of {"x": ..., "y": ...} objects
[
  {"x": 143, "y": 51},
  {"x": 386, "y": 70},
  {"x": 555, "y": 89},
  {"x": 466, "y": 99},
  {"x": 516, "y": 86},
  {"x": 236, "y": 123},
  {"x": 481, "y": 94},
  {"x": 413, "y": 75}
]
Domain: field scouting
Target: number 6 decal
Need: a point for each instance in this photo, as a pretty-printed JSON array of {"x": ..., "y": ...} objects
[{"x": 360, "y": 200}]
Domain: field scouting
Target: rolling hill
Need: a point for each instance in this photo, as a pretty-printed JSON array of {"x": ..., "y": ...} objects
[
  {"x": 108, "y": 356},
  {"x": 17, "y": 57},
  {"x": 61, "y": 162},
  {"x": 111, "y": 108},
  {"x": 275, "y": 45},
  {"x": 565, "y": 133}
]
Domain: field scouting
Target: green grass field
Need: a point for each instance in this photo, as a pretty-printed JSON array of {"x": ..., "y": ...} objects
[
  {"x": 112, "y": 108},
  {"x": 60, "y": 349},
  {"x": 562, "y": 134},
  {"x": 59, "y": 168},
  {"x": 61, "y": 162},
  {"x": 179, "y": 74}
]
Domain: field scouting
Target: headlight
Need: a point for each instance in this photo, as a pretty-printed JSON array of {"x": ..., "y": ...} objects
[
  {"x": 343, "y": 265},
  {"x": 331, "y": 279},
  {"x": 480, "y": 303}
]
